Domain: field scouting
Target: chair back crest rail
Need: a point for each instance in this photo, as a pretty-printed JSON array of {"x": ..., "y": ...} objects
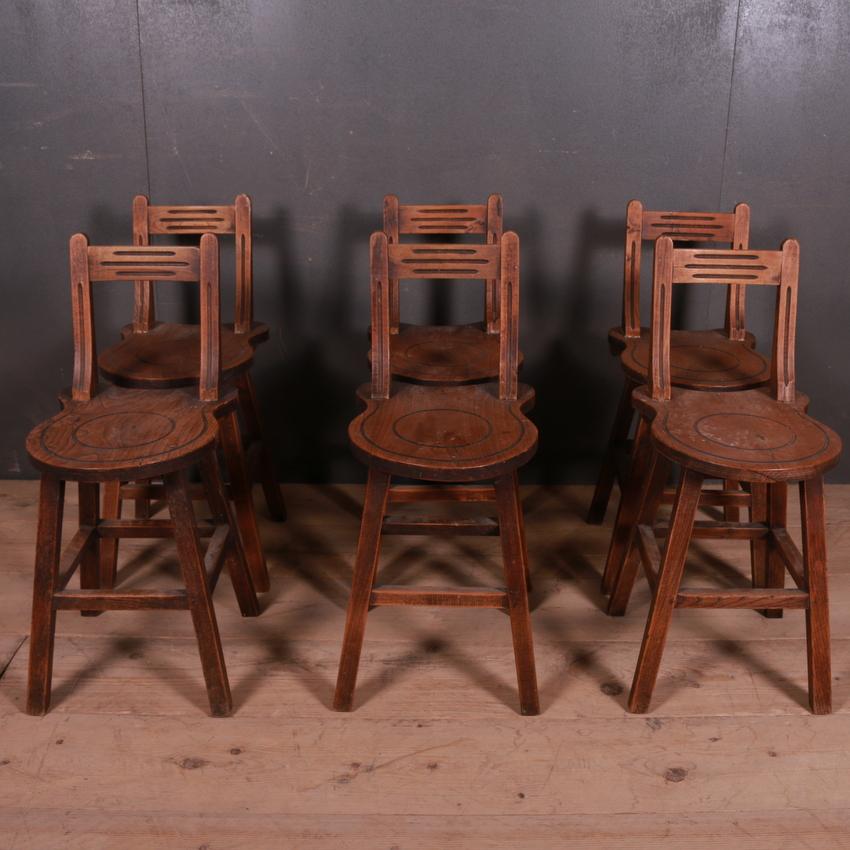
[
  {"x": 648, "y": 225},
  {"x": 91, "y": 263},
  {"x": 731, "y": 268},
  {"x": 193, "y": 220},
  {"x": 445, "y": 220},
  {"x": 391, "y": 262}
]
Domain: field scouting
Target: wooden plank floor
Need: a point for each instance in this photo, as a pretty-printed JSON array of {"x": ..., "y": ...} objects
[{"x": 435, "y": 755}]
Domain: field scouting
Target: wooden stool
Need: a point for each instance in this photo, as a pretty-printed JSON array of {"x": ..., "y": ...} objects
[
  {"x": 761, "y": 436},
  {"x": 129, "y": 434},
  {"x": 448, "y": 434},
  {"x": 154, "y": 355},
  {"x": 711, "y": 360}
]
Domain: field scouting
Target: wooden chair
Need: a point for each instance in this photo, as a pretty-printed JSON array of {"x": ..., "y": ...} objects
[
  {"x": 114, "y": 433},
  {"x": 447, "y": 434},
  {"x": 712, "y": 360},
  {"x": 445, "y": 354},
  {"x": 154, "y": 354},
  {"x": 761, "y": 436}
]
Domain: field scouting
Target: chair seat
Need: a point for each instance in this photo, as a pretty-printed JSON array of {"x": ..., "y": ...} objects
[
  {"x": 746, "y": 436},
  {"x": 449, "y": 354},
  {"x": 170, "y": 356},
  {"x": 699, "y": 360},
  {"x": 124, "y": 433},
  {"x": 447, "y": 433}
]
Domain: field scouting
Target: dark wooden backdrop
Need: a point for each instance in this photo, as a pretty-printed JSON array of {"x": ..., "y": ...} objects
[{"x": 316, "y": 108}]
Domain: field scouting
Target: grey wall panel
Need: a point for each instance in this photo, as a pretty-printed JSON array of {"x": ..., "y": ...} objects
[
  {"x": 788, "y": 155},
  {"x": 318, "y": 108},
  {"x": 71, "y": 156}
]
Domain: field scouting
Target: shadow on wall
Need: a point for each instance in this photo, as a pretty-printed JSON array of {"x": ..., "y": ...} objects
[{"x": 569, "y": 374}]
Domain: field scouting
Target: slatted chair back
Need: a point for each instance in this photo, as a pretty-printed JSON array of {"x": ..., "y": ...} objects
[
  {"x": 445, "y": 220},
  {"x": 194, "y": 220},
  {"x": 129, "y": 262},
  {"x": 731, "y": 268},
  {"x": 647, "y": 225},
  {"x": 394, "y": 262}
]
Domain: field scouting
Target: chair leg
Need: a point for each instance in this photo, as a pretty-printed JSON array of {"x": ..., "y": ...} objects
[
  {"x": 109, "y": 545},
  {"x": 198, "y": 592},
  {"x": 89, "y": 499},
  {"x": 777, "y": 517},
  {"x": 731, "y": 513},
  {"x": 629, "y": 564},
  {"x": 515, "y": 558},
  {"x": 817, "y": 614},
  {"x": 526, "y": 571},
  {"x": 608, "y": 471},
  {"x": 237, "y": 566},
  {"x": 43, "y": 628},
  {"x": 664, "y": 598},
  {"x": 253, "y": 425},
  {"x": 365, "y": 569},
  {"x": 760, "y": 547},
  {"x": 629, "y": 506},
  {"x": 240, "y": 488}
]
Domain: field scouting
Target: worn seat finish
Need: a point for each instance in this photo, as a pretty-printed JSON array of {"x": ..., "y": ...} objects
[
  {"x": 700, "y": 360},
  {"x": 464, "y": 433},
  {"x": 119, "y": 431},
  {"x": 168, "y": 356},
  {"x": 444, "y": 353},
  {"x": 750, "y": 433}
]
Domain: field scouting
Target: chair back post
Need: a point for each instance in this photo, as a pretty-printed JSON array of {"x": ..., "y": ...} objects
[
  {"x": 631, "y": 271},
  {"x": 659, "y": 340},
  {"x": 244, "y": 318},
  {"x": 494, "y": 228},
  {"x": 209, "y": 386},
  {"x": 144, "y": 307},
  {"x": 509, "y": 318},
  {"x": 84, "y": 384},
  {"x": 783, "y": 372},
  {"x": 380, "y": 291},
  {"x": 391, "y": 229},
  {"x": 736, "y": 295}
]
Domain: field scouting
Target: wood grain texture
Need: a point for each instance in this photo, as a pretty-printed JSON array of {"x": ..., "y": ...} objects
[{"x": 730, "y": 754}]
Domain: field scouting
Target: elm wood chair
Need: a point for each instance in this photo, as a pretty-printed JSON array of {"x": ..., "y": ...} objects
[
  {"x": 468, "y": 433},
  {"x": 156, "y": 354},
  {"x": 114, "y": 433},
  {"x": 445, "y": 354},
  {"x": 713, "y": 360},
  {"x": 761, "y": 436}
]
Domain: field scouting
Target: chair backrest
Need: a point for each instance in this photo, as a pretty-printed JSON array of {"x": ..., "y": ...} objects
[
  {"x": 732, "y": 268},
  {"x": 647, "y": 225},
  {"x": 445, "y": 220},
  {"x": 193, "y": 220},
  {"x": 128, "y": 262},
  {"x": 499, "y": 262}
]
